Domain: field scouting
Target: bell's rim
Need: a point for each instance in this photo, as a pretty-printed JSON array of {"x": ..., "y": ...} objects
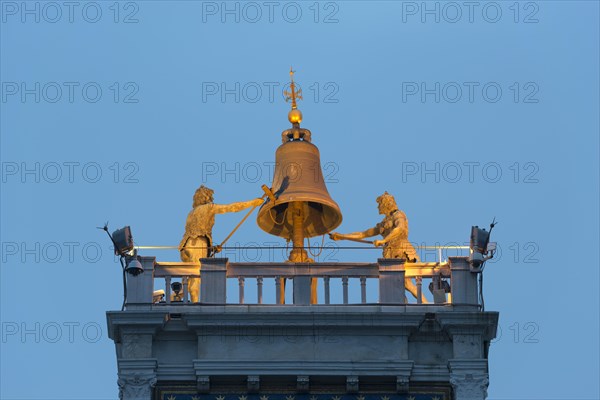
[{"x": 266, "y": 223}]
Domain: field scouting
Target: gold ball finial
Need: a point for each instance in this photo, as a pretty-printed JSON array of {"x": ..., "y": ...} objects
[{"x": 295, "y": 116}]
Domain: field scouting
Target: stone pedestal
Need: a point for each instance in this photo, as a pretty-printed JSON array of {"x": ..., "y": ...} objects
[
  {"x": 213, "y": 286},
  {"x": 140, "y": 287},
  {"x": 464, "y": 283},
  {"x": 391, "y": 280}
]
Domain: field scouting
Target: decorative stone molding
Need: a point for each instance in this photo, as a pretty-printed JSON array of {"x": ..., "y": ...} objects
[
  {"x": 253, "y": 383},
  {"x": 469, "y": 378},
  {"x": 203, "y": 384},
  {"x": 136, "y": 386},
  {"x": 352, "y": 384},
  {"x": 137, "y": 377},
  {"x": 402, "y": 384},
  {"x": 305, "y": 367},
  {"x": 469, "y": 386},
  {"x": 303, "y": 383}
]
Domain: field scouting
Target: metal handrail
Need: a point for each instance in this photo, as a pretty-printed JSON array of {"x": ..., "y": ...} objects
[{"x": 289, "y": 270}]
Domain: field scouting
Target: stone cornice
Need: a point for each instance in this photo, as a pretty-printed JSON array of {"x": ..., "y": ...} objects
[
  {"x": 302, "y": 367},
  {"x": 147, "y": 322},
  {"x": 469, "y": 323}
]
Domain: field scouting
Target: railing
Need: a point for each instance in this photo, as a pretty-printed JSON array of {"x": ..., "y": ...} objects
[
  {"x": 454, "y": 282},
  {"x": 424, "y": 251}
]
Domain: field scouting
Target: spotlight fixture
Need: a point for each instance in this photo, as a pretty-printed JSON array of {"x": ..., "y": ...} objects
[
  {"x": 123, "y": 241},
  {"x": 479, "y": 251},
  {"x": 124, "y": 248}
]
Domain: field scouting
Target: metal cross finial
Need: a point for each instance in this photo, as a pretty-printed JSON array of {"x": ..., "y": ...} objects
[{"x": 294, "y": 94}]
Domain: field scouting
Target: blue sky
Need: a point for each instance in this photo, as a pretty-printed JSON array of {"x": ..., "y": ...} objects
[{"x": 119, "y": 111}]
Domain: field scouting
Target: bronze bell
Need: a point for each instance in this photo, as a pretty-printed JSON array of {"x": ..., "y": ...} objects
[{"x": 302, "y": 206}]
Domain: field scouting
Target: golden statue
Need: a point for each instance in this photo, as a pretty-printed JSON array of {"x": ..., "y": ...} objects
[
  {"x": 394, "y": 229},
  {"x": 197, "y": 239}
]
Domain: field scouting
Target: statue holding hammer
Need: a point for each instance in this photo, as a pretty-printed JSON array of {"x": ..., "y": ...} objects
[
  {"x": 197, "y": 240},
  {"x": 394, "y": 229}
]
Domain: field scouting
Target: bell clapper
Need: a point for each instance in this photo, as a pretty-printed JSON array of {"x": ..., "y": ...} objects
[{"x": 298, "y": 253}]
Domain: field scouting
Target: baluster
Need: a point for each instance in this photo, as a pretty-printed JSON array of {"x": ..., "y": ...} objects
[
  {"x": 419, "y": 289},
  {"x": 278, "y": 290},
  {"x": 259, "y": 288},
  {"x": 345, "y": 287},
  {"x": 168, "y": 289},
  {"x": 185, "y": 289},
  {"x": 326, "y": 281},
  {"x": 241, "y": 285},
  {"x": 439, "y": 254},
  {"x": 363, "y": 289},
  {"x": 437, "y": 284}
]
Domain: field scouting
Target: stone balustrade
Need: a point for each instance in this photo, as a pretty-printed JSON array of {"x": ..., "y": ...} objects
[{"x": 390, "y": 275}]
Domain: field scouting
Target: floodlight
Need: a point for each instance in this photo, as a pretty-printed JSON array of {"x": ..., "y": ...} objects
[
  {"x": 124, "y": 248},
  {"x": 479, "y": 249},
  {"x": 123, "y": 241}
]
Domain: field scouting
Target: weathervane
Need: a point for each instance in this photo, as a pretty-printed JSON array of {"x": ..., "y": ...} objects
[
  {"x": 294, "y": 94},
  {"x": 294, "y": 116}
]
